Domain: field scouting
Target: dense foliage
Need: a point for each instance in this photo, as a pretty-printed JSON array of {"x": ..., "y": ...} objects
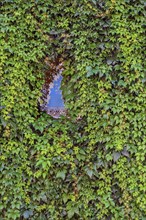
[{"x": 90, "y": 164}]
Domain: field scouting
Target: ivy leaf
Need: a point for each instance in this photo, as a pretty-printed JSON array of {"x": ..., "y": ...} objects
[
  {"x": 27, "y": 214},
  {"x": 4, "y": 123},
  {"x": 72, "y": 211},
  {"x": 65, "y": 198},
  {"x": 94, "y": 2},
  {"x": 89, "y": 172},
  {"x": 125, "y": 153},
  {"x": 89, "y": 71},
  {"x": 61, "y": 174},
  {"x": 116, "y": 156}
]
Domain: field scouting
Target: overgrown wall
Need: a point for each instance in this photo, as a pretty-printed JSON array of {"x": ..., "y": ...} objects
[{"x": 90, "y": 164}]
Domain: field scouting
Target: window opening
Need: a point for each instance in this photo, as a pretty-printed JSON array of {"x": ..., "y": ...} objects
[{"x": 52, "y": 98}]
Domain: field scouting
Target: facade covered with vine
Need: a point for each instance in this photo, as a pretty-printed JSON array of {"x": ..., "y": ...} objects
[{"x": 90, "y": 162}]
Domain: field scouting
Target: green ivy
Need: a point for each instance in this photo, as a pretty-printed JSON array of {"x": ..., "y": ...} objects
[{"x": 90, "y": 164}]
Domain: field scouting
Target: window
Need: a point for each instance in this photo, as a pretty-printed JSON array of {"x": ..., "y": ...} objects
[{"x": 52, "y": 98}]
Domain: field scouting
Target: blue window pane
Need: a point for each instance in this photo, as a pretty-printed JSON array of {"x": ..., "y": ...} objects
[
  {"x": 55, "y": 103},
  {"x": 55, "y": 95}
]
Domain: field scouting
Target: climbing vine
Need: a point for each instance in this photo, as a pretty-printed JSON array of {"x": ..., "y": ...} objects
[{"x": 89, "y": 164}]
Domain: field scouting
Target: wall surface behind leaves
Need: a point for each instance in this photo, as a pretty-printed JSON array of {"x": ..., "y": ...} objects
[{"x": 90, "y": 164}]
